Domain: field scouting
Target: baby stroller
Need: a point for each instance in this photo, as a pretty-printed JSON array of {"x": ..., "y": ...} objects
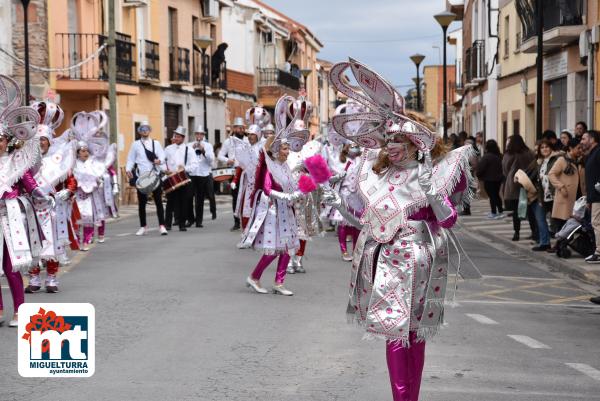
[{"x": 577, "y": 233}]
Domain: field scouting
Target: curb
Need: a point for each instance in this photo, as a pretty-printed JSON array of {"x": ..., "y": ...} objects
[{"x": 561, "y": 265}]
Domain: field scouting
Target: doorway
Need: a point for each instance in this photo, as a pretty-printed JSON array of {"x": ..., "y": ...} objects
[{"x": 172, "y": 120}]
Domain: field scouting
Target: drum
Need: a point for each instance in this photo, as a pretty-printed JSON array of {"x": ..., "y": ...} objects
[
  {"x": 175, "y": 181},
  {"x": 223, "y": 174},
  {"x": 148, "y": 182}
]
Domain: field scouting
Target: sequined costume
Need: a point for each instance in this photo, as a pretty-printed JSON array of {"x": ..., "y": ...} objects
[{"x": 400, "y": 264}]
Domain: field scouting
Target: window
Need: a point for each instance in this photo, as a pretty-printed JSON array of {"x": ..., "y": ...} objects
[
  {"x": 267, "y": 37},
  {"x": 506, "y": 36},
  {"x": 518, "y": 36},
  {"x": 173, "y": 27}
]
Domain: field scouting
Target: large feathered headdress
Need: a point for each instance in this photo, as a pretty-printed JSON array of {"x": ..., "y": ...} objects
[{"x": 385, "y": 117}]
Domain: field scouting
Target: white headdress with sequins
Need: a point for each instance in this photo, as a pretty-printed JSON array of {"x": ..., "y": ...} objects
[
  {"x": 385, "y": 117},
  {"x": 291, "y": 122}
]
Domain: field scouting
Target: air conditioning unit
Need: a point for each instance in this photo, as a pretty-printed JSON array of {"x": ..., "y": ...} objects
[
  {"x": 135, "y": 3},
  {"x": 210, "y": 8}
]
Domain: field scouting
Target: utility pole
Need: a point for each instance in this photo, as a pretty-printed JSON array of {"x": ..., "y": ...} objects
[
  {"x": 25, "y": 4},
  {"x": 539, "y": 68},
  {"x": 112, "y": 76}
]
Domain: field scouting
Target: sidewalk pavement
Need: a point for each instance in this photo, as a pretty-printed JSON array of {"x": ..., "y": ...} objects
[{"x": 501, "y": 231}]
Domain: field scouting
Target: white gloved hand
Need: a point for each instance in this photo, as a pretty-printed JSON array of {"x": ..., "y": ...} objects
[
  {"x": 337, "y": 178},
  {"x": 233, "y": 186},
  {"x": 331, "y": 197},
  {"x": 115, "y": 189},
  {"x": 63, "y": 194},
  {"x": 50, "y": 201}
]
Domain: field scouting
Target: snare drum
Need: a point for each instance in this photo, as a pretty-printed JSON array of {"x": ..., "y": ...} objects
[
  {"x": 223, "y": 174},
  {"x": 148, "y": 182},
  {"x": 175, "y": 181}
]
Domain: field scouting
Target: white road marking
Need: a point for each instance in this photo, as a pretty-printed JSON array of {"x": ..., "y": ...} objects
[
  {"x": 586, "y": 370},
  {"x": 528, "y": 341},
  {"x": 481, "y": 319},
  {"x": 123, "y": 235}
]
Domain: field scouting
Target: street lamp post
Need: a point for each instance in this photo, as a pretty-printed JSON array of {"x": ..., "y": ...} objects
[
  {"x": 539, "y": 62},
  {"x": 445, "y": 18},
  {"x": 305, "y": 73},
  {"x": 418, "y": 59},
  {"x": 25, "y": 4},
  {"x": 202, "y": 43}
]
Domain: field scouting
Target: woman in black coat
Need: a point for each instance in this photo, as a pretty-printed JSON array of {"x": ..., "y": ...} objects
[{"x": 489, "y": 170}]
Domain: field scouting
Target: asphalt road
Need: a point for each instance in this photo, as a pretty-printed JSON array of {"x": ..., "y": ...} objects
[{"x": 175, "y": 322}]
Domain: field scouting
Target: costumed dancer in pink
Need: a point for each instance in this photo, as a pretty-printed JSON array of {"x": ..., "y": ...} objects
[
  {"x": 272, "y": 228},
  {"x": 410, "y": 186},
  {"x": 19, "y": 235}
]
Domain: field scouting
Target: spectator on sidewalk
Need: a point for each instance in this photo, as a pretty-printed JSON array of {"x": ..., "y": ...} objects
[
  {"x": 551, "y": 137},
  {"x": 565, "y": 138},
  {"x": 517, "y": 156},
  {"x": 479, "y": 142},
  {"x": 580, "y": 129},
  {"x": 489, "y": 170},
  {"x": 564, "y": 177},
  {"x": 589, "y": 144},
  {"x": 538, "y": 173}
]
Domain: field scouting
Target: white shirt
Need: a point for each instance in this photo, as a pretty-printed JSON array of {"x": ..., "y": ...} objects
[
  {"x": 204, "y": 162},
  {"x": 137, "y": 155},
  {"x": 175, "y": 157},
  {"x": 227, "y": 151}
]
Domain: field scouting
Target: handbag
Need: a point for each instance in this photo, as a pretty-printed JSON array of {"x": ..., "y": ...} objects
[
  {"x": 522, "y": 205},
  {"x": 134, "y": 175}
]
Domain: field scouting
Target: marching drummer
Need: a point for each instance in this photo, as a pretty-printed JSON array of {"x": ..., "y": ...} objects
[
  {"x": 179, "y": 158},
  {"x": 227, "y": 155},
  {"x": 146, "y": 155},
  {"x": 202, "y": 180}
]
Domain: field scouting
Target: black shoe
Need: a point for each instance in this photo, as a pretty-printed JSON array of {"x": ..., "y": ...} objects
[
  {"x": 189, "y": 223},
  {"x": 214, "y": 216},
  {"x": 540, "y": 248},
  {"x": 515, "y": 237},
  {"x": 593, "y": 259},
  {"x": 595, "y": 300},
  {"x": 465, "y": 213},
  {"x": 235, "y": 228},
  {"x": 182, "y": 229},
  {"x": 168, "y": 228},
  {"x": 199, "y": 225}
]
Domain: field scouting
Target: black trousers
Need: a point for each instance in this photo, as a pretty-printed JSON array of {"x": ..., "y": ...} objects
[
  {"x": 234, "y": 195},
  {"x": 513, "y": 205},
  {"x": 493, "y": 190},
  {"x": 202, "y": 189},
  {"x": 177, "y": 205},
  {"x": 143, "y": 200}
]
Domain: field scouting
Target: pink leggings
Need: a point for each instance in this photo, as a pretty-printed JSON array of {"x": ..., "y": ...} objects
[
  {"x": 266, "y": 260},
  {"x": 343, "y": 232},
  {"x": 15, "y": 282},
  {"x": 405, "y": 366},
  {"x": 88, "y": 232}
]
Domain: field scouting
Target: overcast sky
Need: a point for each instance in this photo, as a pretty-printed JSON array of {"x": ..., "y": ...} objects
[{"x": 380, "y": 33}]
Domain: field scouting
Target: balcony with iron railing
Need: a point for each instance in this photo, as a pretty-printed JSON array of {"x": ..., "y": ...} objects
[
  {"x": 149, "y": 61},
  {"x": 274, "y": 83},
  {"x": 563, "y": 23},
  {"x": 77, "y": 48},
  {"x": 179, "y": 65},
  {"x": 216, "y": 78},
  {"x": 475, "y": 66}
]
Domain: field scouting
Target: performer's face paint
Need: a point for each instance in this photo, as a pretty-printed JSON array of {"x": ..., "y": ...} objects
[
  {"x": 83, "y": 154},
  {"x": 3, "y": 144},
  {"x": 354, "y": 152},
  {"x": 44, "y": 145},
  {"x": 284, "y": 151},
  {"x": 252, "y": 138}
]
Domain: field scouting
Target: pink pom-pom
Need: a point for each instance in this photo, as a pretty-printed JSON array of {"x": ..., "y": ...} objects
[
  {"x": 318, "y": 169},
  {"x": 306, "y": 184}
]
